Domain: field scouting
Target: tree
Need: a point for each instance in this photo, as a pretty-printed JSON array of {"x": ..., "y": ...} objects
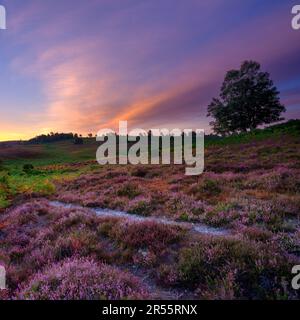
[
  {"x": 78, "y": 140},
  {"x": 248, "y": 99}
]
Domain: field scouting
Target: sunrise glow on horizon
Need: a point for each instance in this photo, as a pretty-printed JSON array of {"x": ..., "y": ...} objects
[{"x": 70, "y": 66}]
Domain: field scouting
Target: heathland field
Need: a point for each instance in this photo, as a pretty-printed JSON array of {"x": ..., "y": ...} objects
[{"x": 231, "y": 233}]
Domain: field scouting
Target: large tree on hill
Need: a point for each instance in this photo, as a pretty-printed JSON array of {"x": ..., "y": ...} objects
[{"x": 248, "y": 99}]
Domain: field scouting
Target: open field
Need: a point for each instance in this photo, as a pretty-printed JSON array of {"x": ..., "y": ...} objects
[{"x": 250, "y": 192}]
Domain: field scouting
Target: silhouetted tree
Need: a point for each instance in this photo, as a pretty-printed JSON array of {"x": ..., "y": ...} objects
[
  {"x": 78, "y": 140},
  {"x": 51, "y": 138},
  {"x": 248, "y": 99}
]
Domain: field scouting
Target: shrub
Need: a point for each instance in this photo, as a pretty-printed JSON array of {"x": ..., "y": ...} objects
[
  {"x": 28, "y": 168},
  {"x": 4, "y": 180},
  {"x": 2, "y": 168},
  {"x": 257, "y": 234},
  {"x": 148, "y": 234},
  {"x": 167, "y": 275},
  {"x": 207, "y": 188},
  {"x": 140, "y": 172},
  {"x": 223, "y": 288},
  {"x": 141, "y": 206},
  {"x": 129, "y": 190},
  {"x": 259, "y": 269},
  {"x": 222, "y": 214},
  {"x": 82, "y": 279},
  {"x": 78, "y": 141},
  {"x": 5, "y": 190},
  {"x": 181, "y": 205},
  {"x": 184, "y": 217}
]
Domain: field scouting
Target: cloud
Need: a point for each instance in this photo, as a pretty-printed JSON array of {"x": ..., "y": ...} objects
[{"x": 122, "y": 64}]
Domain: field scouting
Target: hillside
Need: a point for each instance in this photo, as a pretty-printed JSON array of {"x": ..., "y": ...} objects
[{"x": 232, "y": 232}]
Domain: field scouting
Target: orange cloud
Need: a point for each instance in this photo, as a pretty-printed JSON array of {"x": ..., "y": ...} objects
[{"x": 90, "y": 81}]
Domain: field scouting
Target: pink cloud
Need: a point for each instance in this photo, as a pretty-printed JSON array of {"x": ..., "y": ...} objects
[{"x": 91, "y": 82}]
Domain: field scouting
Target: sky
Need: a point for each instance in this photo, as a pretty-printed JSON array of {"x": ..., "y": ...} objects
[{"x": 82, "y": 66}]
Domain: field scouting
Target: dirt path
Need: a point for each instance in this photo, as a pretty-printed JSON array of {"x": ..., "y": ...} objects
[
  {"x": 146, "y": 276},
  {"x": 194, "y": 227}
]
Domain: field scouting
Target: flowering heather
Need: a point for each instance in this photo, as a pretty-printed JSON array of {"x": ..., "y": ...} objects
[
  {"x": 141, "y": 205},
  {"x": 82, "y": 279},
  {"x": 281, "y": 179},
  {"x": 250, "y": 189},
  {"x": 183, "y": 207},
  {"x": 222, "y": 215},
  {"x": 54, "y": 234},
  {"x": 257, "y": 270},
  {"x": 150, "y": 234}
]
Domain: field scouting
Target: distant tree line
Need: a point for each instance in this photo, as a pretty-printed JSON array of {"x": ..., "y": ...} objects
[{"x": 52, "y": 137}]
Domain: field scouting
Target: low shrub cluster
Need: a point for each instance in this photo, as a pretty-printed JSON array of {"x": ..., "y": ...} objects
[
  {"x": 81, "y": 279},
  {"x": 236, "y": 268}
]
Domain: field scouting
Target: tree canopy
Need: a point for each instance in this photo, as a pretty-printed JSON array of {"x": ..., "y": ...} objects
[{"x": 247, "y": 100}]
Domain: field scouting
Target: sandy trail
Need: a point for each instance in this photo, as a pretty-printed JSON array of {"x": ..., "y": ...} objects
[{"x": 195, "y": 227}]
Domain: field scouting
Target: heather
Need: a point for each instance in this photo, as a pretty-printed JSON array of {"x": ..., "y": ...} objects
[
  {"x": 60, "y": 253},
  {"x": 250, "y": 189},
  {"x": 81, "y": 279},
  {"x": 39, "y": 242},
  {"x": 256, "y": 270}
]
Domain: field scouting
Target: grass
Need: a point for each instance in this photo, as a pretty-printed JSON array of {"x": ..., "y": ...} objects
[
  {"x": 250, "y": 186},
  {"x": 53, "y": 162},
  {"x": 291, "y": 128},
  {"x": 48, "y": 153}
]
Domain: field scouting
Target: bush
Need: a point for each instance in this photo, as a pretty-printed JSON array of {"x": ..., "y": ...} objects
[
  {"x": 208, "y": 188},
  {"x": 183, "y": 206},
  {"x": 4, "y": 180},
  {"x": 82, "y": 279},
  {"x": 2, "y": 168},
  {"x": 259, "y": 270},
  {"x": 140, "y": 172},
  {"x": 147, "y": 234},
  {"x": 78, "y": 141},
  {"x": 141, "y": 206},
  {"x": 28, "y": 168},
  {"x": 129, "y": 190},
  {"x": 223, "y": 214}
]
